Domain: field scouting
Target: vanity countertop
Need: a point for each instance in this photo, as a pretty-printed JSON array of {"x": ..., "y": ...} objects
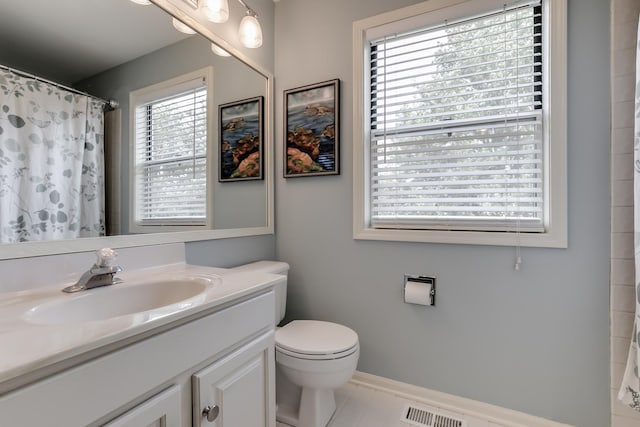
[{"x": 31, "y": 351}]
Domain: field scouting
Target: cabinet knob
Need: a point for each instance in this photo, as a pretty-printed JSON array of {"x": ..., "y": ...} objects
[{"x": 211, "y": 412}]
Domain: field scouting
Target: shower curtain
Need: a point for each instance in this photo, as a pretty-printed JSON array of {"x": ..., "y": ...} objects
[
  {"x": 630, "y": 390},
  {"x": 51, "y": 162}
]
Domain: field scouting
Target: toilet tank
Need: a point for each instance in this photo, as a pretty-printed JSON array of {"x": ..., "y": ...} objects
[{"x": 274, "y": 267}]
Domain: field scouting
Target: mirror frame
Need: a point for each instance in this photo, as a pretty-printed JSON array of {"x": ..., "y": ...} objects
[{"x": 39, "y": 248}]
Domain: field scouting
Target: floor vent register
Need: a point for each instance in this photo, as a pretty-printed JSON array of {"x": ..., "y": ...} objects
[{"x": 423, "y": 417}]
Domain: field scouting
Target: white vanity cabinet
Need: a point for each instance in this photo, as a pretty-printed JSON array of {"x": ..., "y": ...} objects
[{"x": 222, "y": 358}]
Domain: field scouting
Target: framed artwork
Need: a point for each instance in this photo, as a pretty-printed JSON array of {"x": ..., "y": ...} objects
[
  {"x": 312, "y": 130},
  {"x": 241, "y": 125}
]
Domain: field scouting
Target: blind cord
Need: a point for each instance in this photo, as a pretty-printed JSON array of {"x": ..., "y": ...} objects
[
  {"x": 508, "y": 157},
  {"x": 194, "y": 135},
  {"x": 384, "y": 123},
  {"x": 518, "y": 261}
]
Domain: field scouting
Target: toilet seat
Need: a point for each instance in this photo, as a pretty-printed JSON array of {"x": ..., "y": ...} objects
[
  {"x": 316, "y": 340},
  {"x": 305, "y": 356}
]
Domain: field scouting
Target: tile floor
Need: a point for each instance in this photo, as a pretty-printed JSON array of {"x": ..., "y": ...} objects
[{"x": 361, "y": 406}]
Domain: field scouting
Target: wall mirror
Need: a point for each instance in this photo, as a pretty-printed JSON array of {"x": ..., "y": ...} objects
[{"x": 125, "y": 47}]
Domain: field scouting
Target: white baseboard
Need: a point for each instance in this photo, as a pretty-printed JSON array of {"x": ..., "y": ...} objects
[{"x": 449, "y": 402}]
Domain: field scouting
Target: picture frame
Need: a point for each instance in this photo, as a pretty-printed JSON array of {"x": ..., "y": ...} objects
[
  {"x": 241, "y": 140},
  {"x": 312, "y": 130}
]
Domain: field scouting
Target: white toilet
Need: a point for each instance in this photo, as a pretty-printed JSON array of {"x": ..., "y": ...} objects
[{"x": 313, "y": 358}]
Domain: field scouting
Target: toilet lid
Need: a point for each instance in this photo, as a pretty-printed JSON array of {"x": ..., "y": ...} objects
[{"x": 315, "y": 337}]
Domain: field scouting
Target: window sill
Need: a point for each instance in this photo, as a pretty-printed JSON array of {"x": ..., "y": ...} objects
[
  {"x": 542, "y": 240},
  {"x": 167, "y": 228}
]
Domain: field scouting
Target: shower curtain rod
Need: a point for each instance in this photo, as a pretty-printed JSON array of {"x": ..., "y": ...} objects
[{"x": 111, "y": 103}]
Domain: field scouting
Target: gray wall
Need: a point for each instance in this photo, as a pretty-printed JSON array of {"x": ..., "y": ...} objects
[
  {"x": 534, "y": 340},
  {"x": 231, "y": 252}
]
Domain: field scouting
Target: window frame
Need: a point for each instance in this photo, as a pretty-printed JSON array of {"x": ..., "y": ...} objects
[
  {"x": 149, "y": 94},
  {"x": 554, "y": 122}
]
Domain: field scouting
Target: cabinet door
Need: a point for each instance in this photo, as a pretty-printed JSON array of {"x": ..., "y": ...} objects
[
  {"x": 162, "y": 410},
  {"x": 237, "y": 390}
]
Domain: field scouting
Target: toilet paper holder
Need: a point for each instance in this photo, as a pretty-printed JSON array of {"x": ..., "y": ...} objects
[{"x": 419, "y": 289}]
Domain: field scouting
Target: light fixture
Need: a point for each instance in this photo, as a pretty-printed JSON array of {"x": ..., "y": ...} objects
[
  {"x": 216, "y": 10},
  {"x": 250, "y": 32},
  {"x": 182, "y": 27},
  {"x": 142, "y": 2},
  {"x": 218, "y": 50}
]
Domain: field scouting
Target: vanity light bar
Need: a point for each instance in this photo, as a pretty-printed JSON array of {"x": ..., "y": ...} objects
[{"x": 249, "y": 32}]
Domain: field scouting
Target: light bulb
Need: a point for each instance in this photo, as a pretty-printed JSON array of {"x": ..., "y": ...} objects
[
  {"x": 216, "y": 10},
  {"x": 219, "y": 51},
  {"x": 142, "y": 2},
  {"x": 183, "y": 28},
  {"x": 250, "y": 32}
]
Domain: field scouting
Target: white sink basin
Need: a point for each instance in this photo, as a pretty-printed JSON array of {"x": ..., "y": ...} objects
[{"x": 156, "y": 299}]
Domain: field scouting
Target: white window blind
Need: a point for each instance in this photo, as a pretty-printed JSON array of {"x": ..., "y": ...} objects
[
  {"x": 171, "y": 156},
  {"x": 456, "y": 129}
]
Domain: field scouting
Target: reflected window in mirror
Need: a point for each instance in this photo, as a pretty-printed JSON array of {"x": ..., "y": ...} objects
[{"x": 170, "y": 158}]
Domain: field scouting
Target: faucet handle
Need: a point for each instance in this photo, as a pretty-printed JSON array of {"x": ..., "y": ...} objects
[{"x": 106, "y": 257}]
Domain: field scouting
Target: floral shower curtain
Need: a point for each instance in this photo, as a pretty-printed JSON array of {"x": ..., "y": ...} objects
[
  {"x": 51, "y": 162},
  {"x": 630, "y": 390}
]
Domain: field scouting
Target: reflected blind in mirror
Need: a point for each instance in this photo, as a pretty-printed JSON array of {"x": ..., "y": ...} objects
[{"x": 171, "y": 156}]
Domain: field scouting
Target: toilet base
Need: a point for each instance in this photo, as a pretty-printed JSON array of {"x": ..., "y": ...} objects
[
  {"x": 316, "y": 407},
  {"x": 315, "y": 410}
]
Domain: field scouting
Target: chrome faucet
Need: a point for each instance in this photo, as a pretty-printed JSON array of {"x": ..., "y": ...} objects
[{"x": 102, "y": 273}]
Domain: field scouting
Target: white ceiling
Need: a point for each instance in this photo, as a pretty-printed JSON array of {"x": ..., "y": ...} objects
[{"x": 69, "y": 40}]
